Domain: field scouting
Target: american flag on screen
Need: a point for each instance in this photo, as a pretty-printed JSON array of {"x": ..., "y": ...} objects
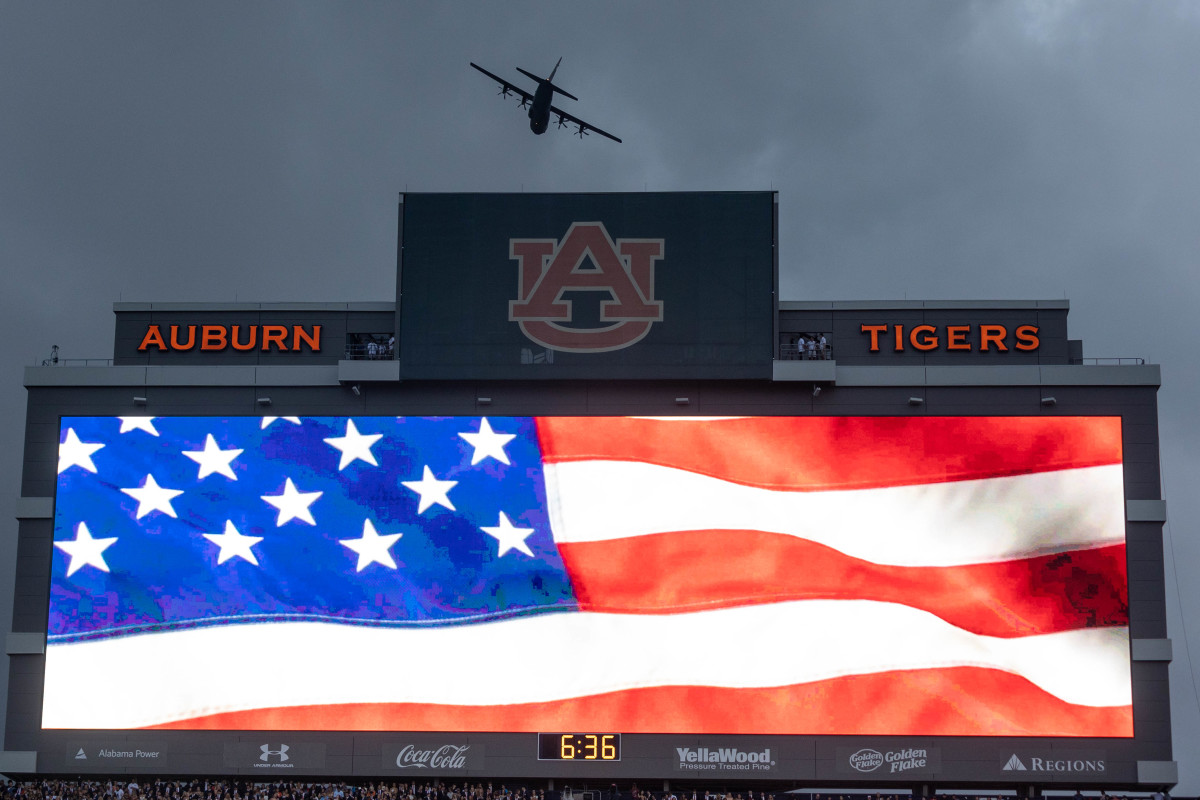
[{"x": 771, "y": 575}]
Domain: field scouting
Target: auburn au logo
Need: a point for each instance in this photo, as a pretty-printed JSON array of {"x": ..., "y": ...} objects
[{"x": 548, "y": 268}]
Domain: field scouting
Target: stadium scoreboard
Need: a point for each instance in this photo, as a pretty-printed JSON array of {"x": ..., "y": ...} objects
[
  {"x": 583, "y": 502},
  {"x": 579, "y": 747}
]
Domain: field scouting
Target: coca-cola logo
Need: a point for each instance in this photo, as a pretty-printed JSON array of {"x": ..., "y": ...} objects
[{"x": 447, "y": 756}]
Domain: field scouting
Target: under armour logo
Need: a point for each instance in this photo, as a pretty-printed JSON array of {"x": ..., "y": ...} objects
[{"x": 267, "y": 752}]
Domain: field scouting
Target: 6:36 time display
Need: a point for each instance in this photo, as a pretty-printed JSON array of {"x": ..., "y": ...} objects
[{"x": 579, "y": 747}]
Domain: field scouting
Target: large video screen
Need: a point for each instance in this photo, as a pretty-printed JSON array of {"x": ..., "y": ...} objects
[{"x": 767, "y": 575}]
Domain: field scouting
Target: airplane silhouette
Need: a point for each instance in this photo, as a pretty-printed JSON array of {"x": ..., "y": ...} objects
[{"x": 539, "y": 105}]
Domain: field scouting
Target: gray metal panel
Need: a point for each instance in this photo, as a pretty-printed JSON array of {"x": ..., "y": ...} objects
[
  {"x": 986, "y": 305},
  {"x": 1146, "y": 510},
  {"x": 990, "y": 375},
  {"x": 805, "y": 305},
  {"x": 35, "y": 508},
  {"x": 881, "y": 376},
  {"x": 1102, "y": 375},
  {"x": 18, "y": 761},
  {"x": 303, "y": 306},
  {"x": 246, "y": 306},
  {"x": 804, "y": 371},
  {"x": 876, "y": 305},
  {"x": 821, "y": 305},
  {"x": 1165, "y": 773},
  {"x": 350, "y": 371},
  {"x": 24, "y": 643},
  {"x": 225, "y": 375},
  {"x": 388, "y": 306},
  {"x": 309, "y": 375},
  {"x": 1152, "y": 649},
  {"x": 85, "y": 376}
]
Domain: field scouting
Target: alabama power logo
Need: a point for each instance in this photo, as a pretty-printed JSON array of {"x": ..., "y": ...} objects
[{"x": 548, "y": 268}]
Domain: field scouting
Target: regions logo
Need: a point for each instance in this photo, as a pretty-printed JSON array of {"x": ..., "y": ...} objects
[
  {"x": 1055, "y": 765},
  {"x": 623, "y": 269},
  {"x": 448, "y": 756},
  {"x": 723, "y": 759}
]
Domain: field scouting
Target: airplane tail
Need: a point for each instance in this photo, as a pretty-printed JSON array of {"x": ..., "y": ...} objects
[{"x": 549, "y": 80}]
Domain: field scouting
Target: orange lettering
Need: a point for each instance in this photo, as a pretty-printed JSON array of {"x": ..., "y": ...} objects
[
  {"x": 956, "y": 337},
  {"x": 928, "y": 339},
  {"x": 1027, "y": 338},
  {"x": 212, "y": 337},
  {"x": 153, "y": 337},
  {"x": 191, "y": 342},
  {"x": 274, "y": 334},
  {"x": 899, "y": 338},
  {"x": 874, "y": 330},
  {"x": 313, "y": 341},
  {"x": 992, "y": 334},
  {"x": 248, "y": 345}
]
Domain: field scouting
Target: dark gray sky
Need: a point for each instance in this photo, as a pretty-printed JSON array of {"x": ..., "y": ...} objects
[{"x": 254, "y": 151}]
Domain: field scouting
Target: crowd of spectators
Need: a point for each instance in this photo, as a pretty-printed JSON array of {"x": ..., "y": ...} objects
[
  {"x": 371, "y": 346},
  {"x": 131, "y": 788}
]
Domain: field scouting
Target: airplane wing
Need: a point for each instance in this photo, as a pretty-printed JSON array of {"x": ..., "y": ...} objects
[
  {"x": 584, "y": 127},
  {"x": 505, "y": 86}
]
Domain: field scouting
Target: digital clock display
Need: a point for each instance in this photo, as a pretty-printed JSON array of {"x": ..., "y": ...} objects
[{"x": 579, "y": 747}]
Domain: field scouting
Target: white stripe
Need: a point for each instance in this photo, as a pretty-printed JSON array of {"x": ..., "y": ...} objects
[
  {"x": 163, "y": 677},
  {"x": 689, "y": 419},
  {"x": 932, "y": 525}
]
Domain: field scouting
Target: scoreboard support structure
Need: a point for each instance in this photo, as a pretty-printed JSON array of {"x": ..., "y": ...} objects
[{"x": 457, "y": 471}]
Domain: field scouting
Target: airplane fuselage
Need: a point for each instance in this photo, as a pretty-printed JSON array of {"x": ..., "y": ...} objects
[
  {"x": 539, "y": 109},
  {"x": 540, "y": 104}
]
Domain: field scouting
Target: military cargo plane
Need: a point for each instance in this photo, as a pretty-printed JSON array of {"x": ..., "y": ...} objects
[{"x": 539, "y": 103}]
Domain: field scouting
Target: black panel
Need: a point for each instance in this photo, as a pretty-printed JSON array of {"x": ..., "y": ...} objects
[
  {"x": 714, "y": 281},
  {"x": 643, "y": 757}
]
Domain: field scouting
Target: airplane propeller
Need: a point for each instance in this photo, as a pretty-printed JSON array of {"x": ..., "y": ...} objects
[
  {"x": 562, "y": 121},
  {"x": 582, "y": 132},
  {"x": 524, "y": 103},
  {"x": 504, "y": 92}
]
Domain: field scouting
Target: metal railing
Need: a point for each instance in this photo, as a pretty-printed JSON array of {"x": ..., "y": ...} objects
[
  {"x": 1113, "y": 361},
  {"x": 790, "y": 352},
  {"x": 75, "y": 362},
  {"x": 367, "y": 352}
]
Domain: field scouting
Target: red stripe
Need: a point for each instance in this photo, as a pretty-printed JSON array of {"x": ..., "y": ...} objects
[
  {"x": 813, "y": 453},
  {"x": 707, "y": 569},
  {"x": 964, "y": 701}
]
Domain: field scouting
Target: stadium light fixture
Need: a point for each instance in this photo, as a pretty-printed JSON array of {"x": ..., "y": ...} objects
[
  {"x": 483, "y": 401},
  {"x": 356, "y": 389},
  {"x": 139, "y": 401},
  {"x": 816, "y": 390},
  {"x": 1049, "y": 401},
  {"x": 916, "y": 401},
  {"x": 264, "y": 401},
  {"x": 682, "y": 401}
]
